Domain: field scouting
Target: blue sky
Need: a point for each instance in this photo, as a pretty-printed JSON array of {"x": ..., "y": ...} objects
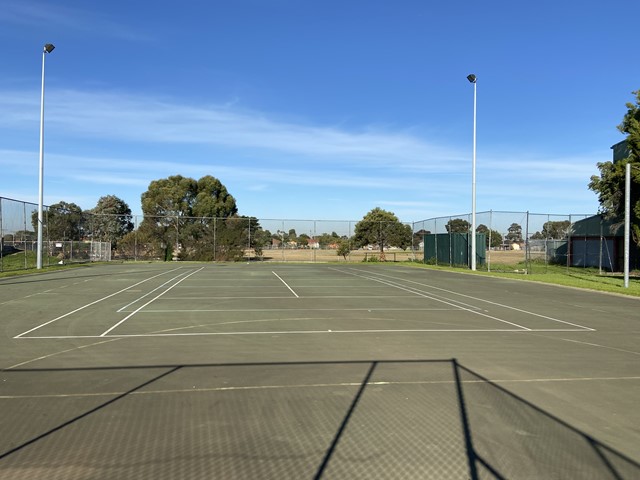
[{"x": 318, "y": 110}]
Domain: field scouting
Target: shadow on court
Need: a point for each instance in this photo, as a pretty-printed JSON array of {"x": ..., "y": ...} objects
[{"x": 361, "y": 419}]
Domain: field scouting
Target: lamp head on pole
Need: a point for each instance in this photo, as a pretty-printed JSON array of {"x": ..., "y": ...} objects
[
  {"x": 472, "y": 78},
  {"x": 48, "y": 48}
]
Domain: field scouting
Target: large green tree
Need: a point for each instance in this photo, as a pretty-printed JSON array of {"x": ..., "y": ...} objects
[
  {"x": 62, "y": 221},
  {"x": 195, "y": 219},
  {"x": 110, "y": 220},
  {"x": 458, "y": 225},
  {"x": 554, "y": 230},
  {"x": 609, "y": 185},
  {"x": 382, "y": 228},
  {"x": 493, "y": 237},
  {"x": 514, "y": 233}
]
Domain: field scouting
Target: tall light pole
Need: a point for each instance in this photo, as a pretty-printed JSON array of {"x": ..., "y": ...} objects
[
  {"x": 473, "y": 79},
  {"x": 48, "y": 48}
]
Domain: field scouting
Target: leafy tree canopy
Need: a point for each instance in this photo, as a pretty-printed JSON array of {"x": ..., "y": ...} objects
[
  {"x": 457, "y": 225},
  {"x": 179, "y": 196},
  {"x": 382, "y": 228},
  {"x": 514, "y": 233},
  {"x": 555, "y": 230},
  {"x": 62, "y": 221},
  {"x": 494, "y": 238},
  {"x": 110, "y": 219}
]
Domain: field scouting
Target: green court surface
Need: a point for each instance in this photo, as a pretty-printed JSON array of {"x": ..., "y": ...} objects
[{"x": 166, "y": 371}]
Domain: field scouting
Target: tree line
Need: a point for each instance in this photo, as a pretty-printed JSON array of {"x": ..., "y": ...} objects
[{"x": 188, "y": 219}]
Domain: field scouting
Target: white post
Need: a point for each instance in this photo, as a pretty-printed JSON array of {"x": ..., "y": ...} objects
[
  {"x": 473, "y": 184},
  {"x": 47, "y": 49},
  {"x": 627, "y": 221}
]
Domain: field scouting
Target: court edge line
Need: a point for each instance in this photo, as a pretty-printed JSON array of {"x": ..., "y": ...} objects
[
  {"x": 304, "y": 332},
  {"x": 425, "y": 295},
  {"x": 285, "y": 284},
  {"x": 488, "y": 301},
  {"x": 149, "y": 302},
  {"x": 93, "y": 303},
  {"x": 321, "y": 385}
]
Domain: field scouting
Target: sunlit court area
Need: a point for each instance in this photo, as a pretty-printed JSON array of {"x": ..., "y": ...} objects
[{"x": 182, "y": 370}]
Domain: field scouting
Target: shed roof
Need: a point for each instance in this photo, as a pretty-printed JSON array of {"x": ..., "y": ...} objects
[{"x": 596, "y": 226}]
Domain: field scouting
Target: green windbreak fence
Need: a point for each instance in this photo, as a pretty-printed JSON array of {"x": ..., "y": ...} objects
[{"x": 453, "y": 249}]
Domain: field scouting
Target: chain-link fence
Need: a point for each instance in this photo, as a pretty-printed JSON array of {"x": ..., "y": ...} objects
[
  {"x": 531, "y": 242},
  {"x": 512, "y": 241},
  {"x": 63, "y": 240},
  {"x": 172, "y": 238}
]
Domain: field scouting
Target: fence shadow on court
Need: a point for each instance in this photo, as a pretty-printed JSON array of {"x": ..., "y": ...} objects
[{"x": 372, "y": 419}]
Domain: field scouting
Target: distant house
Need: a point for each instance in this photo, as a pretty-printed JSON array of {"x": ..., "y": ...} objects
[{"x": 313, "y": 243}]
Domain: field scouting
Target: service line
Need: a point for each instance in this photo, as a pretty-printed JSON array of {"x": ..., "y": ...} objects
[
  {"x": 93, "y": 303},
  {"x": 149, "y": 302}
]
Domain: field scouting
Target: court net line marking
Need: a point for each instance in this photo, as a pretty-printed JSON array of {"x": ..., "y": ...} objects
[
  {"x": 93, "y": 303},
  {"x": 461, "y": 306},
  {"x": 318, "y": 385},
  {"x": 150, "y": 301},
  {"x": 479, "y": 299},
  {"x": 286, "y": 284}
]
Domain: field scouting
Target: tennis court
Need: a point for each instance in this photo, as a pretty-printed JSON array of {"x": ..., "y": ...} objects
[{"x": 254, "y": 370}]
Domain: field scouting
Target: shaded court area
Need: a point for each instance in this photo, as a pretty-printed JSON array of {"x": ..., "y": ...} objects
[{"x": 298, "y": 371}]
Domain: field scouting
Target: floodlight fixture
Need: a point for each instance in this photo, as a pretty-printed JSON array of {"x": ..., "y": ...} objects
[
  {"x": 472, "y": 78},
  {"x": 48, "y": 48}
]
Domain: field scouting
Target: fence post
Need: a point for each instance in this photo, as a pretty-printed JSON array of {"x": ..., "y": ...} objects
[
  {"x": 569, "y": 246},
  {"x": 600, "y": 259},
  {"x": 527, "y": 247},
  {"x": 490, "y": 242},
  {"x": 435, "y": 232}
]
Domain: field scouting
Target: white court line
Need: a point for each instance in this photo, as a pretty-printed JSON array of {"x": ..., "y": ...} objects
[
  {"x": 425, "y": 295},
  {"x": 600, "y": 346},
  {"x": 308, "y": 332},
  {"x": 149, "y": 293},
  {"x": 485, "y": 301},
  {"x": 150, "y": 301},
  {"x": 93, "y": 303},
  {"x": 320, "y": 385},
  {"x": 301, "y": 309},
  {"x": 58, "y": 353},
  {"x": 317, "y": 385},
  {"x": 286, "y": 285}
]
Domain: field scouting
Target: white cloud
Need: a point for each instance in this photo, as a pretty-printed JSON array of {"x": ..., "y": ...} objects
[
  {"x": 30, "y": 13},
  {"x": 142, "y": 119}
]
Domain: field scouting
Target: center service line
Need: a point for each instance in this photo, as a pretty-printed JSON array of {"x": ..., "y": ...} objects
[
  {"x": 150, "y": 301},
  {"x": 285, "y": 284}
]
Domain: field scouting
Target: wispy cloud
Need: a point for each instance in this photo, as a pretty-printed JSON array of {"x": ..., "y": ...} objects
[
  {"x": 30, "y": 13},
  {"x": 139, "y": 119}
]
